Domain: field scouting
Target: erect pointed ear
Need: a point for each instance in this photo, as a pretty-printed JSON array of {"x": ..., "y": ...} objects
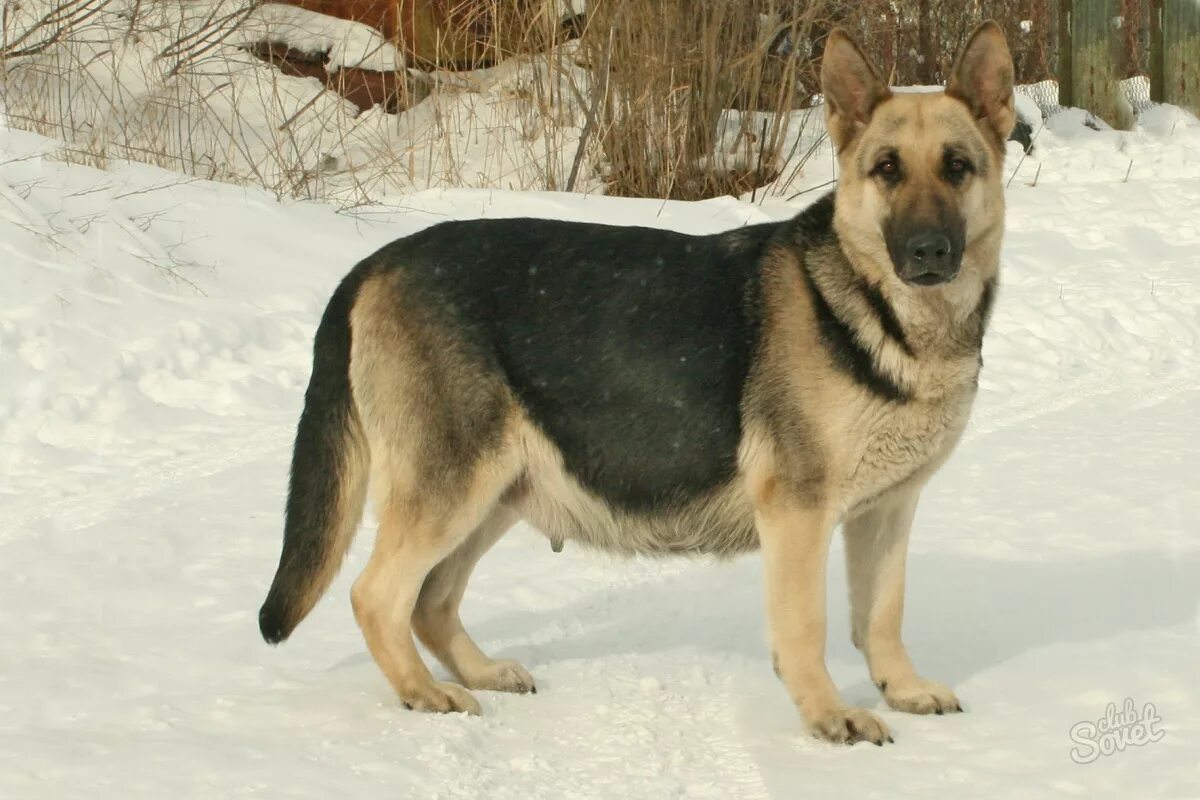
[
  {"x": 983, "y": 79},
  {"x": 851, "y": 86}
]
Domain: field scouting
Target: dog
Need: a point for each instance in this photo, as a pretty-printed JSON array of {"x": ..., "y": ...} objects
[{"x": 648, "y": 392}]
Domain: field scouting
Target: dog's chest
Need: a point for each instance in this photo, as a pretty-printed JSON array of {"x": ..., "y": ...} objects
[{"x": 898, "y": 442}]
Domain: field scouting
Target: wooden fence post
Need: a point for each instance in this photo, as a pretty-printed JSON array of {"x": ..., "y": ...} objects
[
  {"x": 1157, "y": 60},
  {"x": 1095, "y": 60},
  {"x": 1179, "y": 68},
  {"x": 1066, "y": 69}
]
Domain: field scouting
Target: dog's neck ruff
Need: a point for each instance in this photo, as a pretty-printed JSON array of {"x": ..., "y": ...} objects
[{"x": 887, "y": 339}]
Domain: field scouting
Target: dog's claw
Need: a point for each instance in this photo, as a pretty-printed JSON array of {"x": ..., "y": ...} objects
[
  {"x": 503, "y": 675},
  {"x": 849, "y": 725},
  {"x": 440, "y": 698},
  {"x": 916, "y": 695}
]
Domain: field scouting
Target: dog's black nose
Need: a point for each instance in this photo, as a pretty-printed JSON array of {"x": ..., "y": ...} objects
[
  {"x": 928, "y": 258},
  {"x": 928, "y": 248}
]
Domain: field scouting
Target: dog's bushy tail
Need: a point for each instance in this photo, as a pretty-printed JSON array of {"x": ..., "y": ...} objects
[{"x": 330, "y": 465}]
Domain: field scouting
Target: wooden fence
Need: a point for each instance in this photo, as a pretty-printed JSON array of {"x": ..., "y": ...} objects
[
  {"x": 1175, "y": 55},
  {"x": 1103, "y": 41}
]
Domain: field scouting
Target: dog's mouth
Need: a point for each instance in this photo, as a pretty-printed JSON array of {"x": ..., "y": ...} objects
[{"x": 928, "y": 277}]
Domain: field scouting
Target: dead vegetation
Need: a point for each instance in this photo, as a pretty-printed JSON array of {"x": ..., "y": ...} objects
[{"x": 683, "y": 99}]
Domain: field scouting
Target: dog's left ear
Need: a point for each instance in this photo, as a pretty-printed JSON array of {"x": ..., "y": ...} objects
[{"x": 983, "y": 79}]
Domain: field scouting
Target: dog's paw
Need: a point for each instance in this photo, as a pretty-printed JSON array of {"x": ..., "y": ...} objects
[
  {"x": 847, "y": 725},
  {"x": 502, "y": 675},
  {"x": 916, "y": 695},
  {"x": 441, "y": 698}
]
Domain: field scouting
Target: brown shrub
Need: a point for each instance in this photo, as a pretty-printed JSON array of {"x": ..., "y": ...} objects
[{"x": 672, "y": 70}]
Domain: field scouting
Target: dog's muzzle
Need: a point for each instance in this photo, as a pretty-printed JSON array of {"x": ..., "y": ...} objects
[{"x": 929, "y": 259}]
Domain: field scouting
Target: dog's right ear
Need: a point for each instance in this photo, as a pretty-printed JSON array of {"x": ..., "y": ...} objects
[{"x": 851, "y": 86}]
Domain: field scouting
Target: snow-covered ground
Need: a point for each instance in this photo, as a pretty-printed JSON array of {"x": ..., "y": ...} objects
[{"x": 154, "y": 347}]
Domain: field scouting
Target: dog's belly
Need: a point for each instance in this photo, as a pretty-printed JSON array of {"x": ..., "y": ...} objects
[{"x": 720, "y": 522}]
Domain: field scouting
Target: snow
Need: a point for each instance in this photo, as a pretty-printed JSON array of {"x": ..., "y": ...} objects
[
  {"x": 1027, "y": 109},
  {"x": 347, "y": 43},
  {"x": 155, "y": 337}
]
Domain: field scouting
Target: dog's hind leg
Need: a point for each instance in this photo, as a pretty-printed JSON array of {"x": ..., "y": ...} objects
[
  {"x": 414, "y": 537},
  {"x": 876, "y": 550},
  {"x": 437, "y": 622}
]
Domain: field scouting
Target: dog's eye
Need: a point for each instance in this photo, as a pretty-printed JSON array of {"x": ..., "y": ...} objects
[
  {"x": 957, "y": 166},
  {"x": 888, "y": 169}
]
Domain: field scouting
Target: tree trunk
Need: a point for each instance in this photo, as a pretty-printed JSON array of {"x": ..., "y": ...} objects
[{"x": 927, "y": 62}]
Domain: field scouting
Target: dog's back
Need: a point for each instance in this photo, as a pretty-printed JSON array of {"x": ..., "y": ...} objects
[{"x": 628, "y": 347}]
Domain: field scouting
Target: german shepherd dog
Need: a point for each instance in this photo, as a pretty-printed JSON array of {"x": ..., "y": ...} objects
[{"x": 648, "y": 392}]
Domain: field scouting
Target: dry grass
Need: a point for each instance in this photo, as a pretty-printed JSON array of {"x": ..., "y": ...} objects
[
  {"x": 673, "y": 72},
  {"x": 659, "y": 98},
  {"x": 917, "y": 40}
]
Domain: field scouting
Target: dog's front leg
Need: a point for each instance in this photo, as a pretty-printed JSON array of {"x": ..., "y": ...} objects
[
  {"x": 876, "y": 550},
  {"x": 795, "y": 547}
]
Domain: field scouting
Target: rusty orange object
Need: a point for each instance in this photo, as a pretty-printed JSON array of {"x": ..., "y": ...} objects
[{"x": 435, "y": 33}]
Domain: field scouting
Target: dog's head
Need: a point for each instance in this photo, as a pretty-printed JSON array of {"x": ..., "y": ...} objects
[{"x": 920, "y": 183}]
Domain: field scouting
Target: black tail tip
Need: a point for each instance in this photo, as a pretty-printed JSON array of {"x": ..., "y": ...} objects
[{"x": 272, "y": 624}]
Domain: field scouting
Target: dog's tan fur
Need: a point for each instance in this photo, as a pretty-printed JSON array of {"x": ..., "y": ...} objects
[{"x": 817, "y": 448}]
